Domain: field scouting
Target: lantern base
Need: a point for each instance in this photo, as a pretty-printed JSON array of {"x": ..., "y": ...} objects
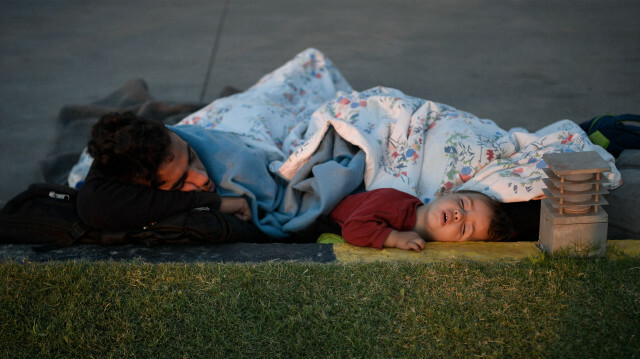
[{"x": 582, "y": 234}]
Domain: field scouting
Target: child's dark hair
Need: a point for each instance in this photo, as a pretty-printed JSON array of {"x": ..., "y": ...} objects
[
  {"x": 129, "y": 148},
  {"x": 501, "y": 228}
]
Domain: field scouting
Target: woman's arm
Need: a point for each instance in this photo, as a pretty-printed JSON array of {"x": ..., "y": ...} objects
[
  {"x": 237, "y": 206},
  {"x": 107, "y": 204}
]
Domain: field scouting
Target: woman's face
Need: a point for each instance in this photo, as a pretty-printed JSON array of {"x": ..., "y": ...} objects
[{"x": 183, "y": 170}]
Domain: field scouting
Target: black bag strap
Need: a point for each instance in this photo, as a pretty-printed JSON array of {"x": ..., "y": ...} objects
[
  {"x": 75, "y": 234},
  {"x": 199, "y": 225}
]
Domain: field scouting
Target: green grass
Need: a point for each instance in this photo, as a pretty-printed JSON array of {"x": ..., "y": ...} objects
[{"x": 535, "y": 308}]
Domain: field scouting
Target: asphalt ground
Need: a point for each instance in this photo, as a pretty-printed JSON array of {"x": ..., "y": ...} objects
[{"x": 521, "y": 63}]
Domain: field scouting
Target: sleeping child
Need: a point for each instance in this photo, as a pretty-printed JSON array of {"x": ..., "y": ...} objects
[{"x": 390, "y": 218}]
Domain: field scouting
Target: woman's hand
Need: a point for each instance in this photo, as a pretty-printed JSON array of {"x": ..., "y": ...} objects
[
  {"x": 405, "y": 240},
  {"x": 237, "y": 206}
]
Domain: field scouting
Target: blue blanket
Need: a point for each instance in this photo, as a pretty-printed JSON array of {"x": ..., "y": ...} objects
[{"x": 278, "y": 206}]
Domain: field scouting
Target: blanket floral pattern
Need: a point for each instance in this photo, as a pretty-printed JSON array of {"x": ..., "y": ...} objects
[{"x": 411, "y": 144}]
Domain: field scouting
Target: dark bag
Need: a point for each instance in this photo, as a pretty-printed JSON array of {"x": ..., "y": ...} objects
[
  {"x": 43, "y": 214},
  {"x": 46, "y": 214},
  {"x": 198, "y": 226},
  {"x": 614, "y": 133}
]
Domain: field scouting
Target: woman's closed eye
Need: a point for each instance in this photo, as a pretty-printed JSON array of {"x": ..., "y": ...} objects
[
  {"x": 192, "y": 154},
  {"x": 183, "y": 179}
]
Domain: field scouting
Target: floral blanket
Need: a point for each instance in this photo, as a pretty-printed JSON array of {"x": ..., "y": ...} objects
[{"x": 411, "y": 144}]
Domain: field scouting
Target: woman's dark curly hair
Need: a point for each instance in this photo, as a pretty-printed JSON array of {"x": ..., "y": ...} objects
[{"x": 129, "y": 148}]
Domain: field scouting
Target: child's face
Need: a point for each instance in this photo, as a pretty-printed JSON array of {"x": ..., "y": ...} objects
[{"x": 455, "y": 217}]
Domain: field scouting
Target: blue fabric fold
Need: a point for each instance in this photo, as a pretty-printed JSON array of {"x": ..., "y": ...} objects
[{"x": 278, "y": 207}]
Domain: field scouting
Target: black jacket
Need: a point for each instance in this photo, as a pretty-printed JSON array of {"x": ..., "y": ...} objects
[{"x": 106, "y": 204}]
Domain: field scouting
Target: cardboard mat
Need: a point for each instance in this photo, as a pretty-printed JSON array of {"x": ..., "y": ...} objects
[{"x": 476, "y": 251}]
